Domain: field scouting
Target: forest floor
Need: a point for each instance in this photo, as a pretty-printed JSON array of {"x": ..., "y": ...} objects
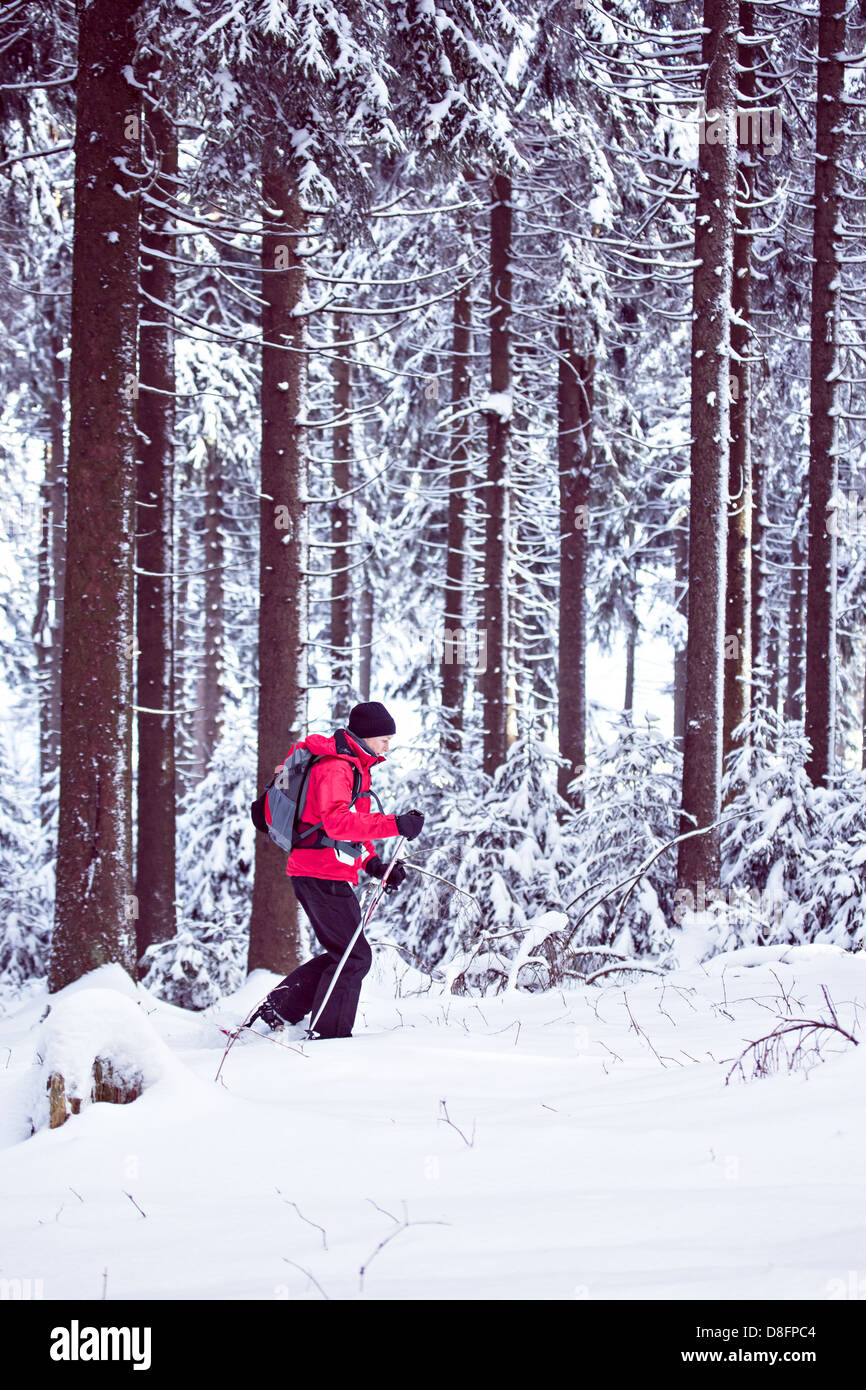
[{"x": 580, "y": 1144}]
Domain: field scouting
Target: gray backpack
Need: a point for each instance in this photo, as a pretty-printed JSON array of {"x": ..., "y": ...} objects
[{"x": 285, "y": 797}]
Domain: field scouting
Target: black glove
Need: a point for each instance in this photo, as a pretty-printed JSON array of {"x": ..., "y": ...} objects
[
  {"x": 257, "y": 813},
  {"x": 410, "y": 824},
  {"x": 395, "y": 877}
]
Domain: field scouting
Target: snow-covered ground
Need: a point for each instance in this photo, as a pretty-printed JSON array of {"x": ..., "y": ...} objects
[{"x": 576, "y": 1145}]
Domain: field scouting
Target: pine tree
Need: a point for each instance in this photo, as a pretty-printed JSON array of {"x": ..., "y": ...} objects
[
  {"x": 738, "y": 662},
  {"x": 94, "y": 903},
  {"x": 282, "y": 605},
  {"x": 821, "y": 671},
  {"x": 156, "y": 789},
  {"x": 494, "y": 679},
  {"x": 710, "y": 367}
]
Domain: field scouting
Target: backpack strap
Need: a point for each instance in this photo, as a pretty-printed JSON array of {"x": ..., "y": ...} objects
[
  {"x": 302, "y": 794},
  {"x": 325, "y": 841}
]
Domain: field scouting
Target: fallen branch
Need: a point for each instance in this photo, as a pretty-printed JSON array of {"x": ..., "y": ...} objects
[
  {"x": 468, "y": 1142},
  {"x": 311, "y": 1277},
  {"x": 640, "y": 1032},
  {"x": 306, "y": 1219},
  {"x": 770, "y": 1042},
  {"x": 425, "y": 970},
  {"x": 402, "y": 1226},
  {"x": 613, "y": 969},
  {"x": 135, "y": 1203},
  {"x": 564, "y": 938},
  {"x": 633, "y": 879},
  {"x": 597, "y": 951}
]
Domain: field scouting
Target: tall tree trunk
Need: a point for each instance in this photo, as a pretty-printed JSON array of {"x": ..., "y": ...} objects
[
  {"x": 820, "y": 719},
  {"x": 454, "y": 646},
  {"x": 774, "y": 667},
  {"x": 574, "y": 410},
  {"x": 631, "y": 648},
  {"x": 183, "y": 749},
  {"x": 94, "y": 903},
  {"x": 157, "y": 791},
  {"x": 794, "y": 693},
  {"x": 274, "y": 935},
  {"x": 714, "y": 243},
  {"x": 738, "y": 632},
  {"x": 518, "y": 715},
  {"x": 214, "y": 622},
  {"x": 759, "y": 575},
  {"x": 681, "y": 585},
  {"x": 48, "y": 623},
  {"x": 365, "y": 629},
  {"x": 58, "y": 546},
  {"x": 493, "y": 680},
  {"x": 341, "y": 579},
  {"x": 187, "y": 608},
  {"x": 42, "y": 635},
  {"x": 519, "y": 707}
]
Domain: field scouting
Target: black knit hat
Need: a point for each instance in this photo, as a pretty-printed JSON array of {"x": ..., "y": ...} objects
[{"x": 371, "y": 721}]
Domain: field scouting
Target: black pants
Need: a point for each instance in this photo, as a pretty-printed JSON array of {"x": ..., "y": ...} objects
[{"x": 334, "y": 913}]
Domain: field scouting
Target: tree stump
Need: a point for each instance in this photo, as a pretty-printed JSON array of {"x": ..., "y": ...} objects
[{"x": 106, "y": 1086}]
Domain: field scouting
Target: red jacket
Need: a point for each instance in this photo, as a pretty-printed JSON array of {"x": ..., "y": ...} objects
[{"x": 329, "y": 792}]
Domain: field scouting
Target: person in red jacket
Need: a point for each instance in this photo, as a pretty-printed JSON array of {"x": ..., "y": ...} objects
[{"x": 323, "y": 876}]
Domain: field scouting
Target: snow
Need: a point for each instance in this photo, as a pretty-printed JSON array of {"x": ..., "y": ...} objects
[
  {"x": 129, "y": 74},
  {"x": 599, "y": 209},
  {"x": 699, "y": 936},
  {"x": 577, "y": 1144},
  {"x": 498, "y": 403},
  {"x": 537, "y": 930},
  {"x": 223, "y": 82}
]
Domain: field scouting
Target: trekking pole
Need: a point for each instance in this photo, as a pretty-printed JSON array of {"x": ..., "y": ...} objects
[{"x": 360, "y": 927}]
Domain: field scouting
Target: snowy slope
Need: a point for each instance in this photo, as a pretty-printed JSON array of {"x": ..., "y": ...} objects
[{"x": 539, "y": 1147}]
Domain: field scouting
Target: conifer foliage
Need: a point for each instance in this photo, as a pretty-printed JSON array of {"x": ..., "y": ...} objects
[{"x": 499, "y": 361}]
